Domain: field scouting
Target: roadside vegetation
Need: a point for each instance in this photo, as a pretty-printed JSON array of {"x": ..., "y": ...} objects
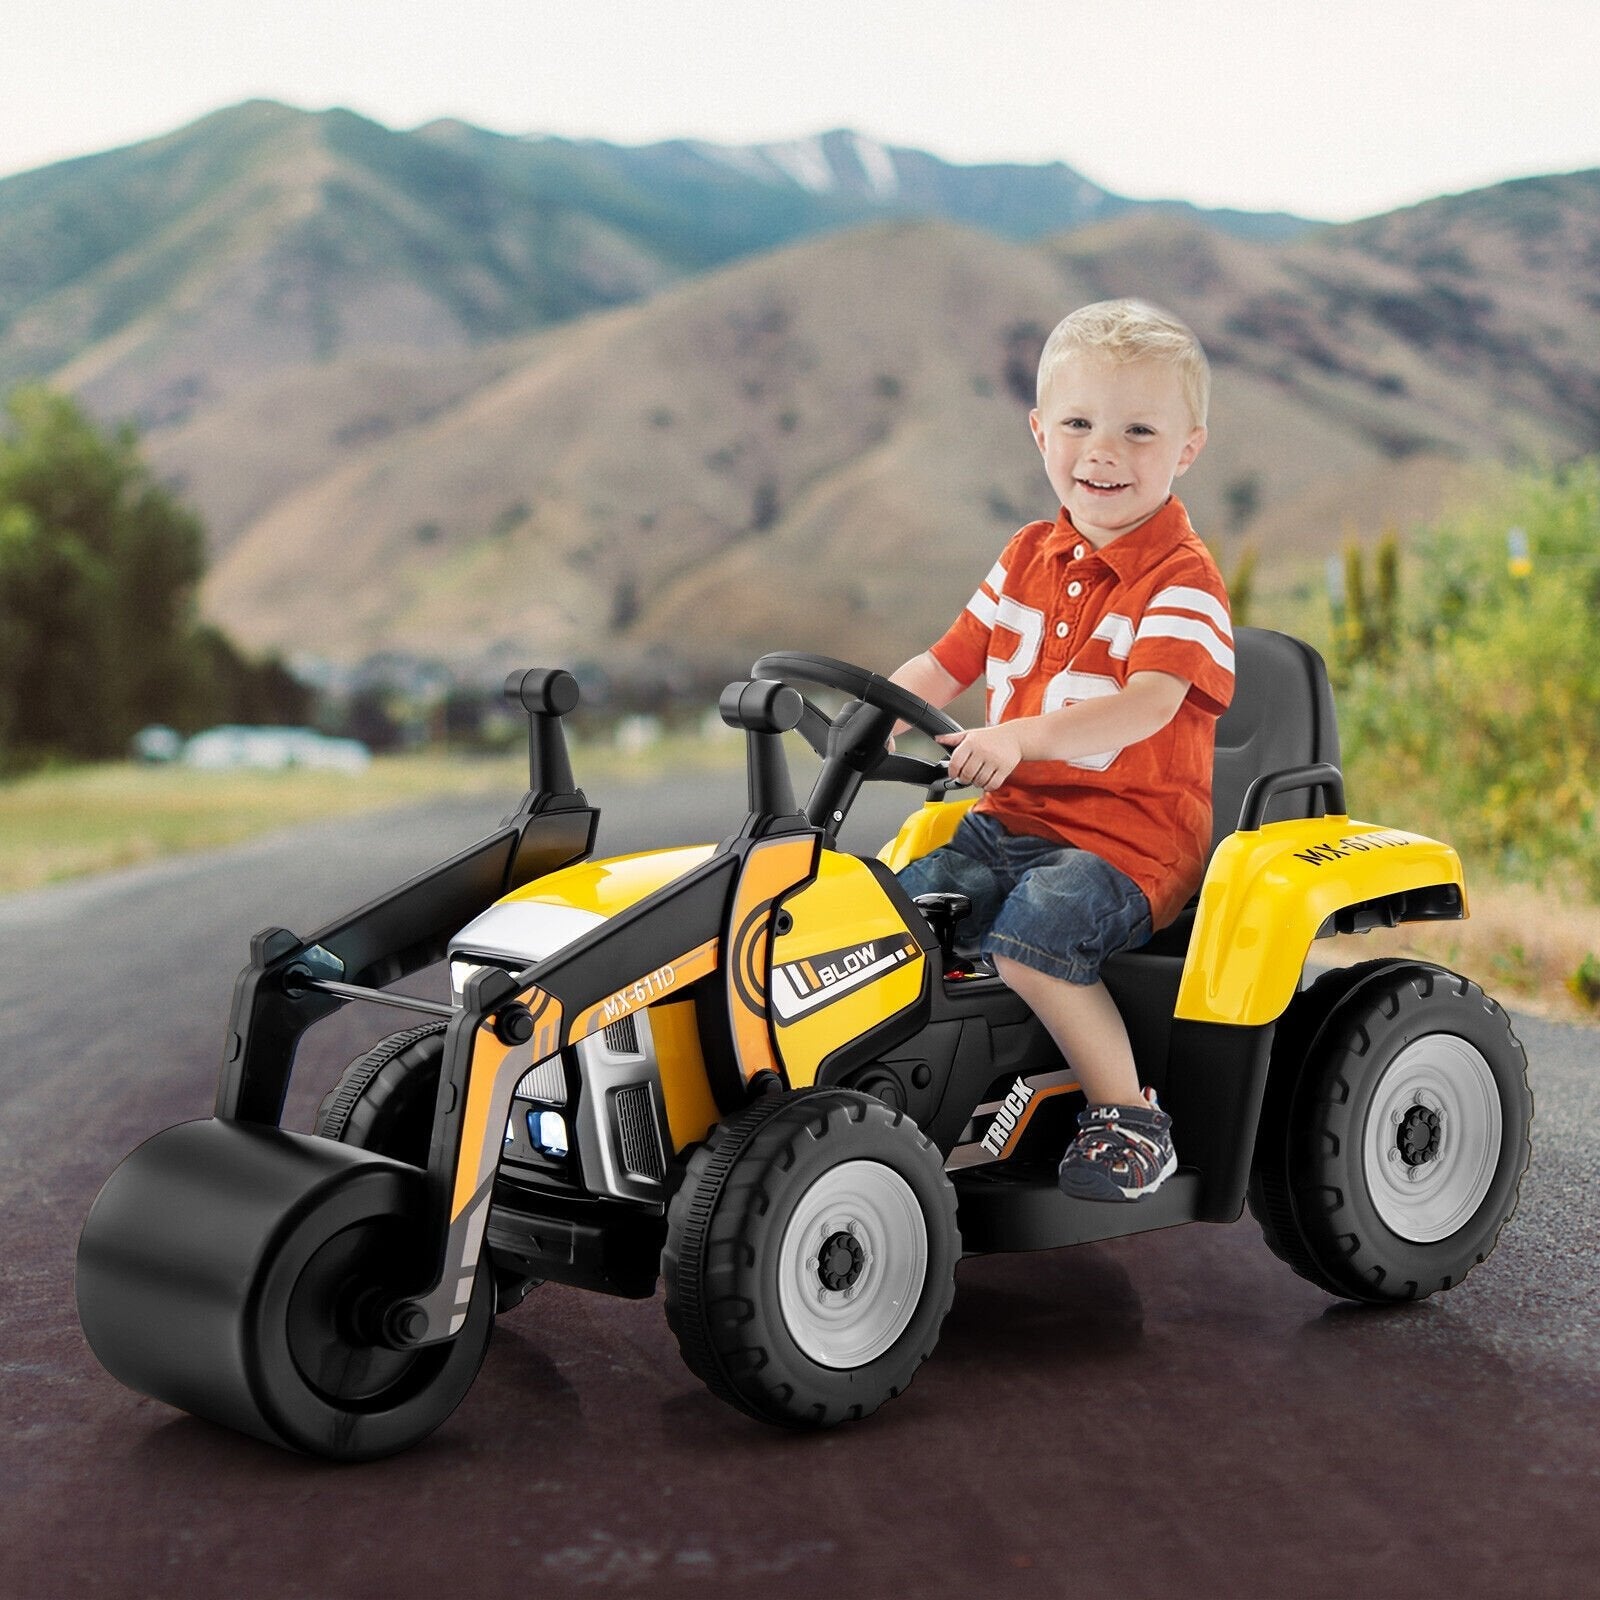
[
  {"x": 1467, "y": 674},
  {"x": 1477, "y": 694}
]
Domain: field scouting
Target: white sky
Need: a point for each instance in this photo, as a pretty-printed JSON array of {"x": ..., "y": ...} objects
[{"x": 1330, "y": 109}]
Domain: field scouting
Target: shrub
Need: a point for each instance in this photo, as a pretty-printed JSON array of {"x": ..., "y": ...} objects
[{"x": 1486, "y": 718}]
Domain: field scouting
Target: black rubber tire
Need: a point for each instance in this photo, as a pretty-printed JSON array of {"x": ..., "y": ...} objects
[
  {"x": 384, "y": 1100},
  {"x": 725, "y": 1228},
  {"x": 1296, "y": 1041},
  {"x": 1309, "y": 1190},
  {"x": 218, "y": 1270}
]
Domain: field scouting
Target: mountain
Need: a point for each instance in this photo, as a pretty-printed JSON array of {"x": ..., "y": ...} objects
[
  {"x": 855, "y": 172},
  {"x": 790, "y": 447},
  {"x": 654, "y": 410},
  {"x": 1465, "y": 325},
  {"x": 158, "y": 279},
  {"x": 821, "y": 447}
]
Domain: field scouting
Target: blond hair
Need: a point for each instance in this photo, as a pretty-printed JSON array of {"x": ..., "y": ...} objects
[{"x": 1132, "y": 330}]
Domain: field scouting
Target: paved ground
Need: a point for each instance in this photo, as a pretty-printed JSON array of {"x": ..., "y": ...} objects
[{"x": 1175, "y": 1414}]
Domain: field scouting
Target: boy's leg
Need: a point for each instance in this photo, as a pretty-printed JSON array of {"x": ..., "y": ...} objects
[
  {"x": 1087, "y": 1028},
  {"x": 1068, "y": 914},
  {"x": 969, "y": 864},
  {"x": 1123, "y": 1150}
]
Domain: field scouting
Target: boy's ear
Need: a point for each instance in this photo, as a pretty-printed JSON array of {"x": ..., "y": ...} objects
[
  {"x": 1038, "y": 428},
  {"x": 1192, "y": 446}
]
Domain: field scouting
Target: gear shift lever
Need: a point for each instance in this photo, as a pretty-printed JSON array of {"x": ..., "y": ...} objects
[{"x": 943, "y": 912}]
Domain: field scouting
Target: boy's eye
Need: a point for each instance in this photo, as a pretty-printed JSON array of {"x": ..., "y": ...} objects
[
  {"x": 1076, "y": 422},
  {"x": 1141, "y": 429}
]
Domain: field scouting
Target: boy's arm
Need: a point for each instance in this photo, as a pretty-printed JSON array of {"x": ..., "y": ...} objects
[
  {"x": 924, "y": 677},
  {"x": 986, "y": 757}
]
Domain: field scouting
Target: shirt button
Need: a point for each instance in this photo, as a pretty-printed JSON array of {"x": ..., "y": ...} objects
[
  {"x": 1077, "y": 554},
  {"x": 1074, "y": 589},
  {"x": 1062, "y": 630}
]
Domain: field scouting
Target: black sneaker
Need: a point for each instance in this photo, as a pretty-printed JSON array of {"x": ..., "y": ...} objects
[{"x": 1121, "y": 1153}]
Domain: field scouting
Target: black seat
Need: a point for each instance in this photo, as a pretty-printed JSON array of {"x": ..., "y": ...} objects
[{"x": 1281, "y": 716}]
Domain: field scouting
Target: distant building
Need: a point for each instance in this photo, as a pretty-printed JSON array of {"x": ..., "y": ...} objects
[{"x": 232, "y": 747}]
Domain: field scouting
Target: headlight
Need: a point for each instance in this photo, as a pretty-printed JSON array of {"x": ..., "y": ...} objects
[
  {"x": 461, "y": 974},
  {"x": 548, "y": 1131}
]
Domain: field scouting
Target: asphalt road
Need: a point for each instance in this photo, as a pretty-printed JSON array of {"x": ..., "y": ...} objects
[{"x": 1173, "y": 1414}]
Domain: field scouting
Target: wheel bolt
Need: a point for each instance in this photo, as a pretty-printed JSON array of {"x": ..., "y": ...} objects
[{"x": 406, "y": 1323}]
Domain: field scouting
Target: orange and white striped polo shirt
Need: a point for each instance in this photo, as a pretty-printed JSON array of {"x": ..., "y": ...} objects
[{"x": 1057, "y": 621}]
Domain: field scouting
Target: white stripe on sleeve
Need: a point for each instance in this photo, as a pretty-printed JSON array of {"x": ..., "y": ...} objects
[
  {"x": 1187, "y": 628},
  {"x": 1181, "y": 598},
  {"x": 982, "y": 605}
]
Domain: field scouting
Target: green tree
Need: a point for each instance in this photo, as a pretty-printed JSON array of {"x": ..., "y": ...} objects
[
  {"x": 1367, "y": 624},
  {"x": 98, "y": 567}
]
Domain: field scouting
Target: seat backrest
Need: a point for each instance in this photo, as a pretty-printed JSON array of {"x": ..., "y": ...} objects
[{"x": 1281, "y": 716}]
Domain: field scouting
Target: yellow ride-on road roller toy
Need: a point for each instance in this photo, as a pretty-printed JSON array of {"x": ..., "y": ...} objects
[{"x": 759, "y": 1071}]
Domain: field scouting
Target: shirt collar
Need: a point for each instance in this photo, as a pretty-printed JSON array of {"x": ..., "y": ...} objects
[{"x": 1134, "y": 553}]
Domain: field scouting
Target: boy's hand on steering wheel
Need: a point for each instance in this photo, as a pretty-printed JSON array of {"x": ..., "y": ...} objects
[{"x": 983, "y": 757}]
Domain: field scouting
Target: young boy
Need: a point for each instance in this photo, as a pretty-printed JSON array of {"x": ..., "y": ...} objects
[{"x": 1105, "y": 641}]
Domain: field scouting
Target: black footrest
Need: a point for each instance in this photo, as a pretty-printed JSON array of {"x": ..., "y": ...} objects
[{"x": 1027, "y": 1211}]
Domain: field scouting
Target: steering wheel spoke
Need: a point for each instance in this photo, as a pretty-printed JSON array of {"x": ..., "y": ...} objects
[
  {"x": 813, "y": 725},
  {"x": 893, "y": 767}
]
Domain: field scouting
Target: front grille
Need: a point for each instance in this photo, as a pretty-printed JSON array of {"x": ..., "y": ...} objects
[
  {"x": 622, "y": 1037},
  {"x": 545, "y": 1082},
  {"x": 641, "y": 1138}
]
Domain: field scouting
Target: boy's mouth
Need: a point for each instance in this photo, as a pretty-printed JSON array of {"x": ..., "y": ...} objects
[{"x": 1100, "y": 485}]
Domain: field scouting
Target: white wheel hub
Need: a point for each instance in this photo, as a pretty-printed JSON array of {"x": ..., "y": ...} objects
[
  {"x": 852, "y": 1264},
  {"x": 1432, "y": 1138}
]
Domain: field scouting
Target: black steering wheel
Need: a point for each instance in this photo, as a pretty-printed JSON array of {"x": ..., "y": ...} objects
[{"x": 853, "y": 745}]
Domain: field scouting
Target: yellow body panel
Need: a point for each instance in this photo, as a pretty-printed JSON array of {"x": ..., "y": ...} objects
[
  {"x": 934, "y": 824},
  {"x": 489, "y": 1084},
  {"x": 840, "y": 914},
  {"x": 1268, "y": 891},
  {"x": 609, "y": 886},
  {"x": 847, "y": 964},
  {"x": 691, "y": 1111},
  {"x": 772, "y": 870}
]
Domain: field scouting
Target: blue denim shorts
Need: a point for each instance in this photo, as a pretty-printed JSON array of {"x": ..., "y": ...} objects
[{"x": 1053, "y": 907}]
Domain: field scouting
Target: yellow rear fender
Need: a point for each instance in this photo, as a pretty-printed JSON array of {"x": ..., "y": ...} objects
[{"x": 1271, "y": 890}]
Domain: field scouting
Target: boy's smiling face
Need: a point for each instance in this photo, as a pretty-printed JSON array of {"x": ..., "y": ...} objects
[{"x": 1113, "y": 434}]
